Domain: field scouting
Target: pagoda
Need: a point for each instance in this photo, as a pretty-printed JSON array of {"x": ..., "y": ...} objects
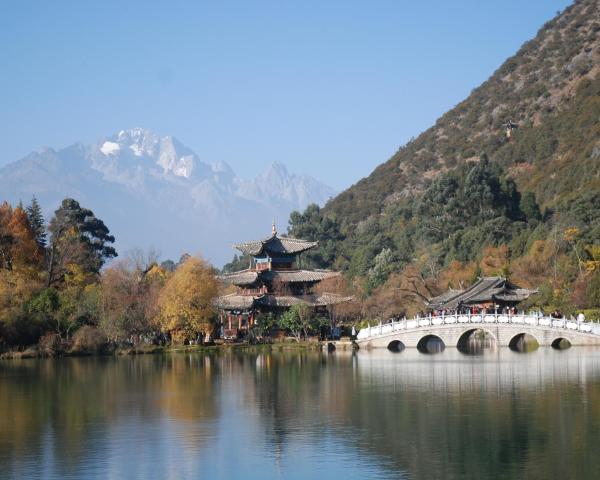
[{"x": 273, "y": 282}]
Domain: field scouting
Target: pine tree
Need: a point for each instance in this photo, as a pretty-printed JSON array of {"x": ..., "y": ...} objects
[
  {"x": 78, "y": 238},
  {"x": 36, "y": 221}
]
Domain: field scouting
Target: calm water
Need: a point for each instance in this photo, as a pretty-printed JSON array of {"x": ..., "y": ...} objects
[{"x": 370, "y": 415}]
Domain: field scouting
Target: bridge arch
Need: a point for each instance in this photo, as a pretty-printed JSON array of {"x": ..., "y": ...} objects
[
  {"x": 463, "y": 338},
  {"x": 518, "y": 342},
  {"x": 396, "y": 346},
  {"x": 431, "y": 343},
  {"x": 561, "y": 343}
]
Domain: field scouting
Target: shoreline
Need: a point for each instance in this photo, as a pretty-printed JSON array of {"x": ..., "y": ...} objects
[{"x": 34, "y": 353}]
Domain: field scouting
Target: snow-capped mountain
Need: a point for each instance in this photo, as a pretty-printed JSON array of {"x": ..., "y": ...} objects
[{"x": 154, "y": 191}]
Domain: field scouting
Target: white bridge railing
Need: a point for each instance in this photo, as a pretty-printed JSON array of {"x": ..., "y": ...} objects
[{"x": 481, "y": 319}]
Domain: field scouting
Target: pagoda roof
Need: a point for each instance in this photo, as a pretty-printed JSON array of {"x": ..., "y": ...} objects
[
  {"x": 298, "y": 276},
  {"x": 487, "y": 289},
  {"x": 314, "y": 300},
  {"x": 275, "y": 244},
  {"x": 248, "y": 277},
  {"x": 244, "y": 302},
  {"x": 243, "y": 277},
  {"x": 234, "y": 302}
]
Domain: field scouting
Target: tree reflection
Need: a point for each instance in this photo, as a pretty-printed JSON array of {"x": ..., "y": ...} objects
[{"x": 503, "y": 415}]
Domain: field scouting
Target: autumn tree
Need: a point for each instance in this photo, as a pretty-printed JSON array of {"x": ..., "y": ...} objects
[
  {"x": 129, "y": 296},
  {"x": 20, "y": 261},
  {"x": 457, "y": 275},
  {"x": 344, "y": 311},
  {"x": 495, "y": 261},
  {"x": 185, "y": 305}
]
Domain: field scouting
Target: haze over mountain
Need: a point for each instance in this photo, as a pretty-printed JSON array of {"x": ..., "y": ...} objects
[{"x": 153, "y": 191}]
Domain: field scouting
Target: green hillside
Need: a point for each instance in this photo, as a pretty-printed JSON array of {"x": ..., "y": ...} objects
[{"x": 434, "y": 207}]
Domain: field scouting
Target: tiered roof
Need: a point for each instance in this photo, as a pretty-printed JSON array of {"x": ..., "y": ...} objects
[
  {"x": 259, "y": 281},
  {"x": 243, "y": 302},
  {"x": 249, "y": 277},
  {"x": 275, "y": 244},
  {"x": 487, "y": 289}
]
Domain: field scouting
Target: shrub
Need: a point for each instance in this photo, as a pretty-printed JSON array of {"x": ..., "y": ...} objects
[
  {"x": 88, "y": 340},
  {"x": 50, "y": 344}
]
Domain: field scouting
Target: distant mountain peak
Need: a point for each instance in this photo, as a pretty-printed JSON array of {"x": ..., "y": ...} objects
[
  {"x": 153, "y": 188},
  {"x": 140, "y": 148}
]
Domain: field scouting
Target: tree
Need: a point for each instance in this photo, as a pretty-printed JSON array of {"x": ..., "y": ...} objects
[
  {"x": 593, "y": 290},
  {"x": 530, "y": 207},
  {"x": 185, "y": 305},
  {"x": 495, "y": 261},
  {"x": 77, "y": 237},
  {"x": 44, "y": 307},
  {"x": 129, "y": 296},
  {"x": 571, "y": 236},
  {"x": 36, "y": 222},
  {"x": 264, "y": 323},
  {"x": 313, "y": 225},
  {"x": 305, "y": 317},
  {"x": 20, "y": 262},
  {"x": 342, "y": 311},
  {"x": 290, "y": 320},
  {"x": 382, "y": 268},
  {"x": 18, "y": 249}
]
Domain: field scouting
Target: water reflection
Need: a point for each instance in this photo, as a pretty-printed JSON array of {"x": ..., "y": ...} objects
[
  {"x": 298, "y": 415},
  {"x": 431, "y": 344},
  {"x": 477, "y": 342},
  {"x": 523, "y": 343}
]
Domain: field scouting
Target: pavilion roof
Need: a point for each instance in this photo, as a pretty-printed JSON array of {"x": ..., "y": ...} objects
[
  {"x": 249, "y": 277},
  {"x": 241, "y": 278},
  {"x": 314, "y": 300},
  {"x": 298, "y": 276},
  {"x": 234, "y": 302},
  {"x": 275, "y": 244},
  {"x": 244, "y": 302},
  {"x": 486, "y": 289}
]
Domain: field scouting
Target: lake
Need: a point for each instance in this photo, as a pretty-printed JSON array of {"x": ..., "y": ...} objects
[{"x": 299, "y": 415}]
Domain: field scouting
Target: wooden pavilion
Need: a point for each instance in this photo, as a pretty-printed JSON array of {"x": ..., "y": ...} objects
[
  {"x": 273, "y": 282},
  {"x": 488, "y": 292}
]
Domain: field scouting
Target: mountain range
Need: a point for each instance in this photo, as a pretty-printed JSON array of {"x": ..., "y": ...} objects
[{"x": 154, "y": 192}]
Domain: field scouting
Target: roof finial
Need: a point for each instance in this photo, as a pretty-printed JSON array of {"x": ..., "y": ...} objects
[{"x": 274, "y": 229}]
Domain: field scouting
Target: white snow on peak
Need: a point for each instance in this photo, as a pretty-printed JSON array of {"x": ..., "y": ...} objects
[
  {"x": 171, "y": 161},
  {"x": 110, "y": 148},
  {"x": 137, "y": 150}
]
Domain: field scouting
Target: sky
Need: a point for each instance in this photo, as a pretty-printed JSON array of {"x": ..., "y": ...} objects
[{"x": 331, "y": 88}]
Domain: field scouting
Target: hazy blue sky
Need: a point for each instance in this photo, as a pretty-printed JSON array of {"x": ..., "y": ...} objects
[{"x": 330, "y": 88}]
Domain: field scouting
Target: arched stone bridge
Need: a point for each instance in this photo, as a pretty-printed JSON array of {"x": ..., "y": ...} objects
[{"x": 454, "y": 329}]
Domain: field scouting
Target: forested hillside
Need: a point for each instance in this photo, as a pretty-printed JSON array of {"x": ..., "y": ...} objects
[{"x": 470, "y": 196}]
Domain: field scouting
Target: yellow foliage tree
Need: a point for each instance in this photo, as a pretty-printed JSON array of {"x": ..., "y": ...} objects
[
  {"x": 457, "y": 275},
  {"x": 495, "y": 261},
  {"x": 536, "y": 267},
  {"x": 594, "y": 252},
  {"x": 186, "y": 302}
]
